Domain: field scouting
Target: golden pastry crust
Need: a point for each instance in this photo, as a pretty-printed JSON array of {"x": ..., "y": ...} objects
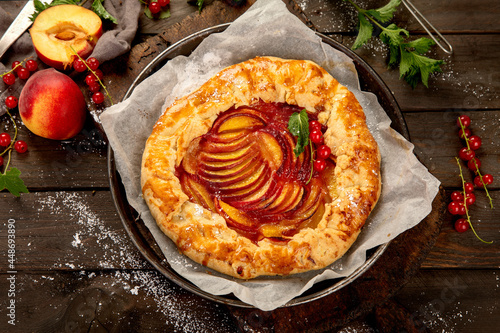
[{"x": 203, "y": 235}]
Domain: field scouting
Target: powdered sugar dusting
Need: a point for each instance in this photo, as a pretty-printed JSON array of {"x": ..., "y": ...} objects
[
  {"x": 91, "y": 232},
  {"x": 91, "y": 226}
]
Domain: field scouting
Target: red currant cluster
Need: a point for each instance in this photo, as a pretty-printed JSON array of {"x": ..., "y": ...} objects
[
  {"x": 155, "y": 6},
  {"x": 462, "y": 200},
  {"x": 23, "y": 72},
  {"x": 94, "y": 77},
  {"x": 322, "y": 150},
  {"x": 468, "y": 153},
  {"x": 6, "y": 142}
]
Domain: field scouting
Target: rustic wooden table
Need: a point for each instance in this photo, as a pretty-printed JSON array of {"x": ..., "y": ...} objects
[{"x": 76, "y": 269}]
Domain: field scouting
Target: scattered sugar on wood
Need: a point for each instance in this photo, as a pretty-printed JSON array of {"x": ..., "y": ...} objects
[{"x": 145, "y": 284}]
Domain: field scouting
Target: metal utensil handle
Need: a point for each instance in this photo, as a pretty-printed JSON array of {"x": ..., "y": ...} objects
[{"x": 426, "y": 25}]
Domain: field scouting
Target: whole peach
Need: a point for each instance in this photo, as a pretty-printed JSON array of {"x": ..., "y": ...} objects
[{"x": 52, "y": 105}]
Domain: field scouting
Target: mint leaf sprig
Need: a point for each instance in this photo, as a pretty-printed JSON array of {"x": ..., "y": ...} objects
[
  {"x": 414, "y": 67},
  {"x": 298, "y": 125},
  {"x": 10, "y": 179}
]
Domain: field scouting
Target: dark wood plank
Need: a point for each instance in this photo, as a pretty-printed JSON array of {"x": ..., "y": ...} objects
[
  {"x": 464, "y": 250},
  {"x": 469, "y": 79},
  {"x": 80, "y": 162},
  {"x": 436, "y": 140},
  {"x": 67, "y": 231},
  {"x": 453, "y": 300},
  {"x": 119, "y": 301},
  {"x": 447, "y": 16}
]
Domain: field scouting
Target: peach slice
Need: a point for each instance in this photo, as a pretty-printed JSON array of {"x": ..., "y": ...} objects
[
  {"x": 239, "y": 123},
  {"x": 200, "y": 193},
  {"x": 228, "y": 172},
  {"x": 226, "y": 156},
  {"x": 235, "y": 214},
  {"x": 271, "y": 230},
  {"x": 58, "y": 29},
  {"x": 270, "y": 149}
]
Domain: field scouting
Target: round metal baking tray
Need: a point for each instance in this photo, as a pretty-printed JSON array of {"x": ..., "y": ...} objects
[{"x": 140, "y": 234}]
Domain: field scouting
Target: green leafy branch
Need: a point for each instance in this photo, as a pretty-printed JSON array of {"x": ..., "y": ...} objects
[
  {"x": 96, "y": 7},
  {"x": 409, "y": 55},
  {"x": 198, "y": 3}
]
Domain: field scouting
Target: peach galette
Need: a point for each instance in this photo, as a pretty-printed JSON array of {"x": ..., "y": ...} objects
[{"x": 231, "y": 172}]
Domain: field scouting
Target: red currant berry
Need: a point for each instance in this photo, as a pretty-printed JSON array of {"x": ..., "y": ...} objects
[
  {"x": 20, "y": 146},
  {"x": 474, "y": 142},
  {"x": 474, "y": 164},
  {"x": 457, "y": 196},
  {"x": 90, "y": 79},
  {"x": 487, "y": 179},
  {"x": 94, "y": 87},
  {"x": 1, "y": 161},
  {"x": 79, "y": 66},
  {"x": 467, "y": 133},
  {"x": 462, "y": 209},
  {"x": 9, "y": 79},
  {"x": 454, "y": 208},
  {"x": 461, "y": 225},
  {"x": 465, "y": 120},
  {"x": 324, "y": 152},
  {"x": 319, "y": 165},
  {"x": 154, "y": 7},
  {"x": 99, "y": 74},
  {"x": 15, "y": 65},
  {"x": 23, "y": 73},
  {"x": 316, "y": 136},
  {"x": 4, "y": 139},
  {"x": 470, "y": 198},
  {"x": 98, "y": 97},
  {"x": 468, "y": 187},
  {"x": 466, "y": 154},
  {"x": 11, "y": 102},
  {"x": 163, "y": 3},
  {"x": 93, "y": 63},
  {"x": 314, "y": 125},
  {"x": 31, "y": 65}
]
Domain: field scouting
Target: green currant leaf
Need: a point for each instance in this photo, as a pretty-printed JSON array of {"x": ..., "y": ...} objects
[
  {"x": 421, "y": 45},
  {"x": 99, "y": 9},
  {"x": 386, "y": 12},
  {"x": 415, "y": 67},
  {"x": 392, "y": 35},
  {"x": 11, "y": 181},
  {"x": 365, "y": 32},
  {"x": 298, "y": 125},
  {"x": 199, "y": 3},
  {"x": 148, "y": 14},
  {"x": 164, "y": 14}
]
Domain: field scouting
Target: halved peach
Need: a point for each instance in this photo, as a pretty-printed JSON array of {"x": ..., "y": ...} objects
[{"x": 60, "y": 31}]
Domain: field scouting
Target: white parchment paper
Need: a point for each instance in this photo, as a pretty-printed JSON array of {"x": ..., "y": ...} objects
[{"x": 267, "y": 28}]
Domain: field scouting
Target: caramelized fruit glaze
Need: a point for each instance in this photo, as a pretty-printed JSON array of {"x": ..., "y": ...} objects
[{"x": 245, "y": 169}]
